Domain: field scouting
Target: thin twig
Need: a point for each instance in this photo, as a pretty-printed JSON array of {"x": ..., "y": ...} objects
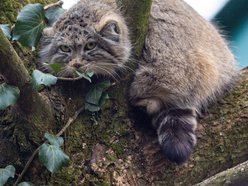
[
  {"x": 69, "y": 79},
  {"x": 27, "y": 166},
  {"x": 69, "y": 122},
  {"x": 59, "y": 3}
]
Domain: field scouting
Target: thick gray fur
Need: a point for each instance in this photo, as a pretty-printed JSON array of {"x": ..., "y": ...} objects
[{"x": 186, "y": 65}]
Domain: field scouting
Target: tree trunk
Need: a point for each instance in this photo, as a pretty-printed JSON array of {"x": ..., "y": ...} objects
[{"x": 114, "y": 146}]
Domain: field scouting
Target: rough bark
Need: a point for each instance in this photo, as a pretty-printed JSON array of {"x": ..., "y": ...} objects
[
  {"x": 21, "y": 126},
  {"x": 114, "y": 147},
  {"x": 12, "y": 68},
  {"x": 137, "y": 13}
]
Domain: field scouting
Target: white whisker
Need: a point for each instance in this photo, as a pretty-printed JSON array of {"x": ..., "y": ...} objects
[{"x": 106, "y": 71}]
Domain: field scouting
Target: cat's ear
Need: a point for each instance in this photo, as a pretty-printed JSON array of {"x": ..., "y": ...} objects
[
  {"x": 48, "y": 32},
  {"x": 111, "y": 31}
]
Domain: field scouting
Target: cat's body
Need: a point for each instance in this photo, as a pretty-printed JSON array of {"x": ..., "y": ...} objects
[{"x": 185, "y": 65}]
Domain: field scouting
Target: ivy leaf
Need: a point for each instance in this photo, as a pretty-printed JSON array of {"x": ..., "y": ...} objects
[
  {"x": 103, "y": 99},
  {"x": 6, "y": 173},
  {"x": 95, "y": 98},
  {"x": 54, "y": 140},
  {"x": 29, "y": 25},
  {"x": 40, "y": 78},
  {"x": 52, "y": 157},
  {"x": 25, "y": 184},
  {"x": 8, "y": 95},
  {"x": 56, "y": 67},
  {"x": 90, "y": 74},
  {"x": 91, "y": 107},
  {"x": 53, "y": 13},
  {"x": 6, "y": 30},
  {"x": 87, "y": 76},
  {"x": 95, "y": 108},
  {"x": 94, "y": 95}
]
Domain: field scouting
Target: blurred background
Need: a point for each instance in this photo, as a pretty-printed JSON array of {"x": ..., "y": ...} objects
[{"x": 230, "y": 16}]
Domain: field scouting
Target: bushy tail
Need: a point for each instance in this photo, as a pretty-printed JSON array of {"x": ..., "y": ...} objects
[{"x": 176, "y": 133}]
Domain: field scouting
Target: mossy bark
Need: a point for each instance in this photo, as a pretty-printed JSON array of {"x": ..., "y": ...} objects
[
  {"x": 12, "y": 68},
  {"x": 112, "y": 147},
  {"x": 237, "y": 175},
  {"x": 137, "y": 16},
  {"x": 21, "y": 126}
]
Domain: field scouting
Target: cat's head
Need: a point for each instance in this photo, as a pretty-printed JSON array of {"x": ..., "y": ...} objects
[{"x": 89, "y": 37}]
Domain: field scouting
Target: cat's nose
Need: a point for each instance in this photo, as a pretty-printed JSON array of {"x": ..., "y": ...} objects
[{"x": 77, "y": 65}]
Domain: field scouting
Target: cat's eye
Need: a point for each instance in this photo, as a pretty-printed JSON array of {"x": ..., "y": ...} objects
[
  {"x": 65, "y": 48},
  {"x": 90, "y": 45}
]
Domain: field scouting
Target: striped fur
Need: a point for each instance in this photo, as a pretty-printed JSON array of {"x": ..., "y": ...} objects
[{"x": 176, "y": 133}]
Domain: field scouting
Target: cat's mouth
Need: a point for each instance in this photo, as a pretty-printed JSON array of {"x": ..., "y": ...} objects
[
  {"x": 72, "y": 72},
  {"x": 68, "y": 72}
]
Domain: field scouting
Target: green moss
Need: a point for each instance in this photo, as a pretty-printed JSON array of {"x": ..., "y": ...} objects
[
  {"x": 111, "y": 157},
  {"x": 222, "y": 143},
  {"x": 91, "y": 129},
  {"x": 118, "y": 148},
  {"x": 139, "y": 12},
  {"x": 106, "y": 184},
  {"x": 65, "y": 176}
]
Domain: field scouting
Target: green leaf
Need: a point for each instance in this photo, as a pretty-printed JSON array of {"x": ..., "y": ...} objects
[
  {"x": 96, "y": 97},
  {"x": 85, "y": 75},
  {"x": 6, "y": 173},
  {"x": 91, "y": 107},
  {"x": 56, "y": 67},
  {"x": 53, "y": 13},
  {"x": 95, "y": 108},
  {"x": 25, "y": 184},
  {"x": 54, "y": 140},
  {"x": 90, "y": 74},
  {"x": 8, "y": 95},
  {"x": 95, "y": 93},
  {"x": 6, "y": 30},
  {"x": 40, "y": 78},
  {"x": 52, "y": 157},
  {"x": 29, "y": 25},
  {"x": 103, "y": 99}
]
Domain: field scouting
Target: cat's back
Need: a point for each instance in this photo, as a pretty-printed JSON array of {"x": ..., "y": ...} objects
[
  {"x": 186, "y": 53},
  {"x": 177, "y": 27}
]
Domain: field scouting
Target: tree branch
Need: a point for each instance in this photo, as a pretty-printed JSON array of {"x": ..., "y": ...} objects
[
  {"x": 137, "y": 13},
  {"x": 15, "y": 73},
  {"x": 11, "y": 66},
  {"x": 235, "y": 176}
]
